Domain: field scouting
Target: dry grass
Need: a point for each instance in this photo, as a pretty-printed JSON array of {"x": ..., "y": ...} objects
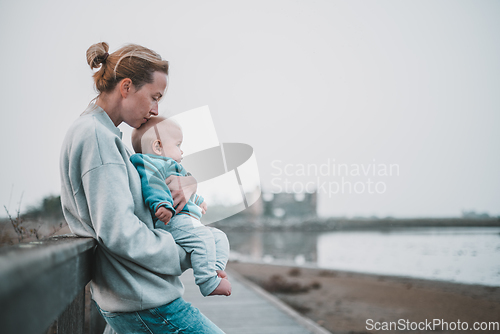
[{"x": 29, "y": 230}]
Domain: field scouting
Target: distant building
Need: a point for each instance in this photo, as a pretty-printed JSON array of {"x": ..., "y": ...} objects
[
  {"x": 474, "y": 215},
  {"x": 286, "y": 205},
  {"x": 282, "y": 206}
]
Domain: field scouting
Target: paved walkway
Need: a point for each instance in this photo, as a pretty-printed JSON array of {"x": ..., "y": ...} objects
[{"x": 248, "y": 310}]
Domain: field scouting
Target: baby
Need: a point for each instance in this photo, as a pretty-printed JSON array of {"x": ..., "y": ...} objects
[{"x": 158, "y": 147}]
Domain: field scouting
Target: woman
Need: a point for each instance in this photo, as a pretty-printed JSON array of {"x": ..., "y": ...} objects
[{"x": 136, "y": 268}]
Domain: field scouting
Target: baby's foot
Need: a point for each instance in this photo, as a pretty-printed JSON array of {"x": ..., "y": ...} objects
[
  {"x": 224, "y": 288},
  {"x": 221, "y": 274}
]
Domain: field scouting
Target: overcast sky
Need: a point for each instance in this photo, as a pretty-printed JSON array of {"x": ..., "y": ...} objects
[{"x": 364, "y": 84}]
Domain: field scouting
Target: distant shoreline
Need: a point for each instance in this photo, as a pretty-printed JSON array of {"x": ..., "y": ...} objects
[{"x": 316, "y": 224}]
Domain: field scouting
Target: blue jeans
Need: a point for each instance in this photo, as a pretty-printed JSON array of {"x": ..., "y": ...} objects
[{"x": 178, "y": 316}]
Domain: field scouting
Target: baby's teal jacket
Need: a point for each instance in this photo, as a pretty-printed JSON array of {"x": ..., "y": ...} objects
[{"x": 153, "y": 170}]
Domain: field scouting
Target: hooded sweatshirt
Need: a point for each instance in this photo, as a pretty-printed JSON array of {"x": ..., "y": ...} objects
[{"x": 135, "y": 266}]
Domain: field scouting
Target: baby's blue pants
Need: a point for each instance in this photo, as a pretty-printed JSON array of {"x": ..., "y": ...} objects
[{"x": 208, "y": 246}]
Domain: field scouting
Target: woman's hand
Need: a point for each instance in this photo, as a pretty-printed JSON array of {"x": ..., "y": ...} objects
[
  {"x": 204, "y": 207},
  {"x": 163, "y": 214},
  {"x": 182, "y": 188}
]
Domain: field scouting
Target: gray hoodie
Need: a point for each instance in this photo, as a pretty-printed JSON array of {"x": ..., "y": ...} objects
[{"x": 136, "y": 267}]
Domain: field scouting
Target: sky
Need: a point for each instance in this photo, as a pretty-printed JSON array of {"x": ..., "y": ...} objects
[{"x": 386, "y": 108}]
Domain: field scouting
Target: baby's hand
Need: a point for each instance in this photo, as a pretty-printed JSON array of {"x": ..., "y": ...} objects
[
  {"x": 204, "y": 207},
  {"x": 163, "y": 214}
]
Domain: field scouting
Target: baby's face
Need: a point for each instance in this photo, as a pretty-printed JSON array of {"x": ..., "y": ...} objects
[{"x": 171, "y": 142}]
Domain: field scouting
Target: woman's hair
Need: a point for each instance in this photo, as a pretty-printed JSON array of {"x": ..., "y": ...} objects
[{"x": 131, "y": 61}]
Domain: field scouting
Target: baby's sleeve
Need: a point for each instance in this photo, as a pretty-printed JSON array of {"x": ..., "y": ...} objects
[
  {"x": 198, "y": 199},
  {"x": 154, "y": 188}
]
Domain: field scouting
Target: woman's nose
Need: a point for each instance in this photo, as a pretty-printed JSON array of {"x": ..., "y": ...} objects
[{"x": 154, "y": 110}]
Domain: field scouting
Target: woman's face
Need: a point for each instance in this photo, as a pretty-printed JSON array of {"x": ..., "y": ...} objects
[{"x": 141, "y": 104}]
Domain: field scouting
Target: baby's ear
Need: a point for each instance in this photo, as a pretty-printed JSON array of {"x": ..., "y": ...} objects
[{"x": 157, "y": 148}]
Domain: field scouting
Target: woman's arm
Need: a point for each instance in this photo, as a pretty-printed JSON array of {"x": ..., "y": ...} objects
[{"x": 119, "y": 230}]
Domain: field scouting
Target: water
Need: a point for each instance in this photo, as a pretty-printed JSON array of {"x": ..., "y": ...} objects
[{"x": 464, "y": 255}]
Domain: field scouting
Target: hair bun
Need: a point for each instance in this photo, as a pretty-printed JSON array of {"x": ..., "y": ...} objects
[
  {"x": 97, "y": 54},
  {"x": 131, "y": 61}
]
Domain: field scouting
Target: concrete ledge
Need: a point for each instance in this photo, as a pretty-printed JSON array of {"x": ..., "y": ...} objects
[{"x": 40, "y": 279}]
